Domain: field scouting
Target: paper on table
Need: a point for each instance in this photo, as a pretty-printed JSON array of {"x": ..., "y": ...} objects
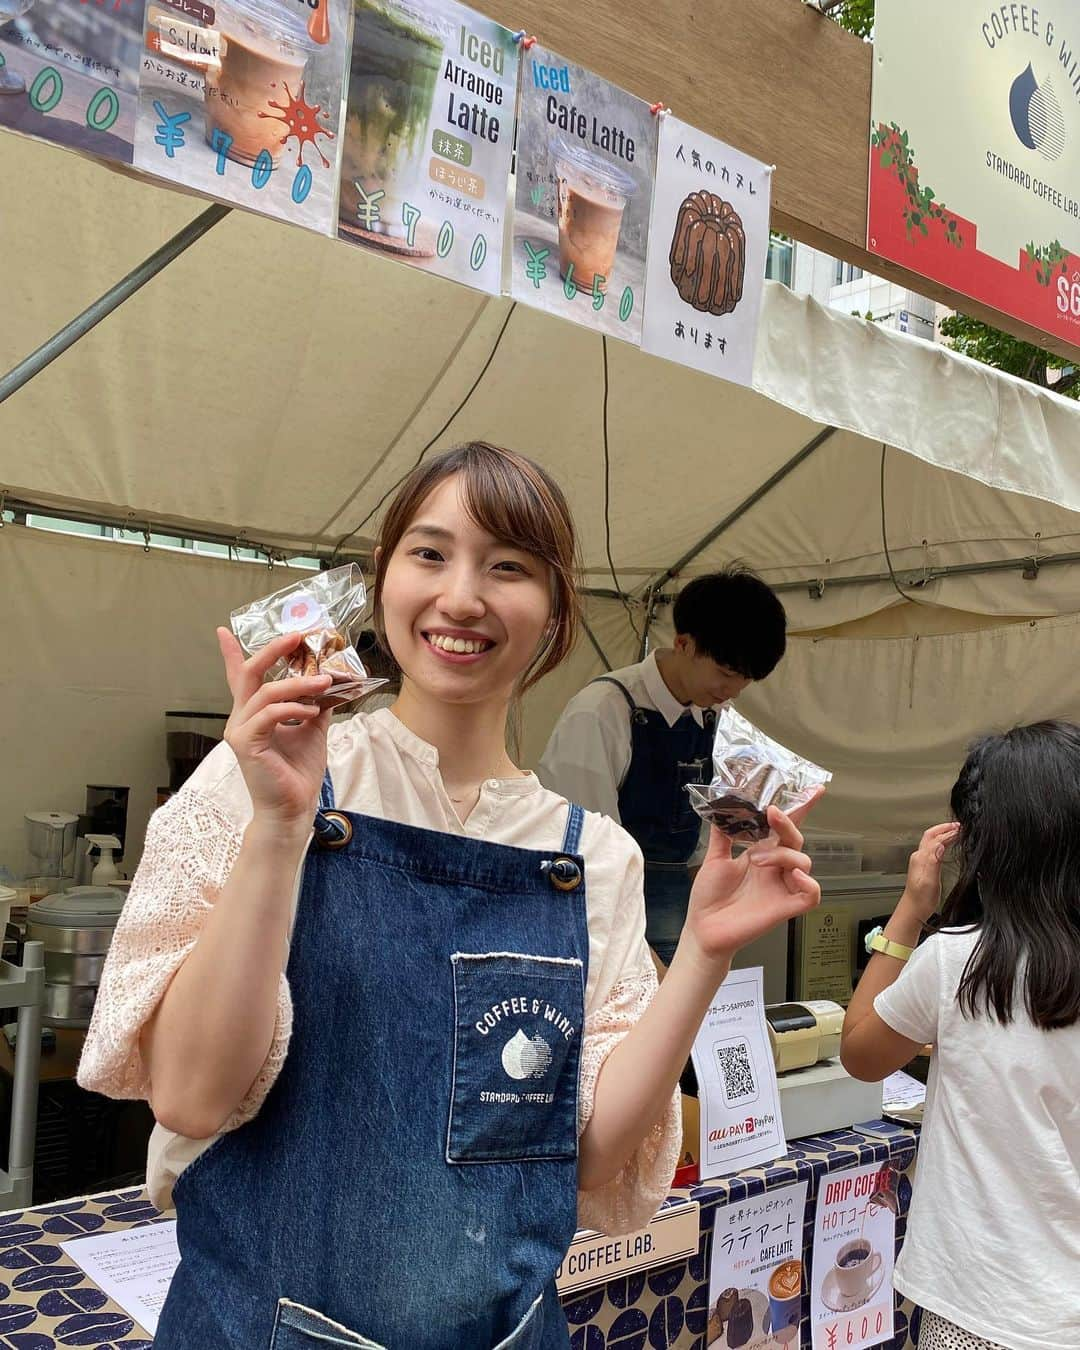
[
  {"x": 902, "y": 1092},
  {"x": 134, "y": 1267}
]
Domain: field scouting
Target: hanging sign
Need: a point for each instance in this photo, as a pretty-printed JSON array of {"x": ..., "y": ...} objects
[
  {"x": 429, "y": 137},
  {"x": 756, "y": 1276},
  {"x": 69, "y": 73},
  {"x": 975, "y": 152},
  {"x": 241, "y": 100},
  {"x": 708, "y": 245},
  {"x": 586, "y": 151},
  {"x": 854, "y": 1248},
  {"x": 741, "y": 1125}
]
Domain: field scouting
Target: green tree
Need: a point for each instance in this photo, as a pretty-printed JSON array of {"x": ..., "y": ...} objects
[
  {"x": 857, "y": 16},
  {"x": 993, "y": 348},
  {"x": 971, "y": 336}
]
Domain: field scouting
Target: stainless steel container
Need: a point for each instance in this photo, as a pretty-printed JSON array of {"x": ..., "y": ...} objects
[{"x": 76, "y": 928}]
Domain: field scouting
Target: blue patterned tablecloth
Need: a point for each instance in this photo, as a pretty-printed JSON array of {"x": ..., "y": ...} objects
[
  {"x": 667, "y": 1308},
  {"x": 48, "y": 1303}
]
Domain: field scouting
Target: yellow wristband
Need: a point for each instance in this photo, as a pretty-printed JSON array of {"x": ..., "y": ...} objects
[{"x": 878, "y": 942}]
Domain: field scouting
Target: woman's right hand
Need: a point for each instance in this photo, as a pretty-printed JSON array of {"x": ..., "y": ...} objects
[{"x": 279, "y": 742}]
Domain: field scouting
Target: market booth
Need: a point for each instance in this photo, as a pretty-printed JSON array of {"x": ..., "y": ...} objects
[{"x": 270, "y": 388}]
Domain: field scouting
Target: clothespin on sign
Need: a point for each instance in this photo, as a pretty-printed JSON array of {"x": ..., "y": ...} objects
[
  {"x": 146, "y": 537},
  {"x": 525, "y": 41},
  {"x": 657, "y": 109}
]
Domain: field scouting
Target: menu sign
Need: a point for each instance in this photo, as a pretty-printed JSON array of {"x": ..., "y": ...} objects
[
  {"x": 708, "y": 244},
  {"x": 586, "y": 152},
  {"x": 67, "y": 73},
  {"x": 241, "y": 100},
  {"x": 429, "y": 136},
  {"x": 756, "y": 1275},
  {"x": 854, "y": 1248}
]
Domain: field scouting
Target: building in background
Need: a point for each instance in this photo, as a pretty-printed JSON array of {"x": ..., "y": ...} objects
[{"x": 845, "y": 287}]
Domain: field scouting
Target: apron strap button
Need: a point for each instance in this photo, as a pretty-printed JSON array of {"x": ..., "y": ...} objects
[
  {"x": 564, "y": 873},
  {"x": 332, "y": 829}
]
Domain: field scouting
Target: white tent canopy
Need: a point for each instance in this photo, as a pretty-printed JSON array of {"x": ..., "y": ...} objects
[{"x": 273, "y": 386}]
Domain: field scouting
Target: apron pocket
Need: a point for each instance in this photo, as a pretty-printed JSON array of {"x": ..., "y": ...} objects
[
  {"x": 517, "y": 1044},
  {"x": 300, "y": 1328}
]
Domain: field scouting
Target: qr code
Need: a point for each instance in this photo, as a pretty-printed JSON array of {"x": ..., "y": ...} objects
[{"x": 737, "y": 1072}]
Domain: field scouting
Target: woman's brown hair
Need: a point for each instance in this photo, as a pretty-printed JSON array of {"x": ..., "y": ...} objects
[{"x": 516, "y": 502}]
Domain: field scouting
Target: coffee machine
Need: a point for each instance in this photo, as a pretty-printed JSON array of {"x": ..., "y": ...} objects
[{"x": 189, "y": 738}]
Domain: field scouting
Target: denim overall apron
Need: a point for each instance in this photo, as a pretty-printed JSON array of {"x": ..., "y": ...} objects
[
  {"x": 410, "y": 1182},
  {"x": 655, "y": 809}
]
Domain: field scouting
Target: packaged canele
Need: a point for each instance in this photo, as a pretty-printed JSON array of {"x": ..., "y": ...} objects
[
  {"x": 752, "y": 772},
  {"x": 328, "y": 609}
]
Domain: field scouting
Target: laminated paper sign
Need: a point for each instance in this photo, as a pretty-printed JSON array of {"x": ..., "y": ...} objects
[
  {"x": 756, "y": 1277},
  {"x": 741, "y": 1125},
  {"x": 69, "y": 72},
  {"x": 586, "y": 151},
  {"x": 854, "y": 1248},
  {"x": 241, "y": 100},
  {"x": 429, "y": 136},
  {"x": 708, "y": 244}
]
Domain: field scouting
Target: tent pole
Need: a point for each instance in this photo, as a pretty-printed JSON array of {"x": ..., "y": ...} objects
[
  {"x": 741, "y": 510},
  {"x": 112, "y": 299},
  {"x": 650, "y": 610},
  {"x": 596, "y": 645}
]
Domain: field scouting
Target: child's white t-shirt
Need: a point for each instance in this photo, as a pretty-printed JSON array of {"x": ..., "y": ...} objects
[{"x": 993, "y": 1237}]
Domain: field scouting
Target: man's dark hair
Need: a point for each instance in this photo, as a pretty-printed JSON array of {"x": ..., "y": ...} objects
[{"x": 735, "y": 619}]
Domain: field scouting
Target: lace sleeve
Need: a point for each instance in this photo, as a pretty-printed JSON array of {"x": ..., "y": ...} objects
[
  {"x": 191, "y": 846},
  {"x": 630, "y": 1199}
]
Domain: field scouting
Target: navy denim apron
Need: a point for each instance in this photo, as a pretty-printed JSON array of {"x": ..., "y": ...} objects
[
  {"x": 410, "y": 1181},
  {"x": 655, "y": 808}
]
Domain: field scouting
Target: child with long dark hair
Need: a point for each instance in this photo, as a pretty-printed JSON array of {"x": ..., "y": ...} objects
[{"x": 992, "y": 1253}]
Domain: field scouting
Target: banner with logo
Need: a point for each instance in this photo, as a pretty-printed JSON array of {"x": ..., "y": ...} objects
[
  {"x": 69, "y": 72},
  {"x": 851, "y": 1298},
  {"x": 739, "y": 1100},
  {"x": 586, "y": 153},
  {"x": 975, "y": 152},
  {"x": 708, "y": 245},
  {"x": 756, "y": 1275},
  {"x": 429, "y": 136},
  {"x": 241, "y": 100}
]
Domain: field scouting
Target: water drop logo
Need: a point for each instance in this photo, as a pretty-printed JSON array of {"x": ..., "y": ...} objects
[
  {"x": 523, "y": 1058},
  {"x": 1036, "y": 115}
]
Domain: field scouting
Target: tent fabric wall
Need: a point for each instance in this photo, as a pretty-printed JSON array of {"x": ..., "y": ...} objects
[
  {"x": 277, "y": 385},
  {"x": 101, "y": 639},
  {"x": 110, "y": 637}
]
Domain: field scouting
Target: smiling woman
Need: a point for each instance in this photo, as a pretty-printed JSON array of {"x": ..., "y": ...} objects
[
  {"x": 470, "y": 944},
  {"x": 528, "y": 535}
]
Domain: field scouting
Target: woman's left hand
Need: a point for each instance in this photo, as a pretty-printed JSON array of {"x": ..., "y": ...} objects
[{"x": 735, "y": 900}]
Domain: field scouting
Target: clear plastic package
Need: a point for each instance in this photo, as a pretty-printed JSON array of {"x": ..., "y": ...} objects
[
  {"x": 752, "y": 772},
  {"x": 328, "y": 608}
]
